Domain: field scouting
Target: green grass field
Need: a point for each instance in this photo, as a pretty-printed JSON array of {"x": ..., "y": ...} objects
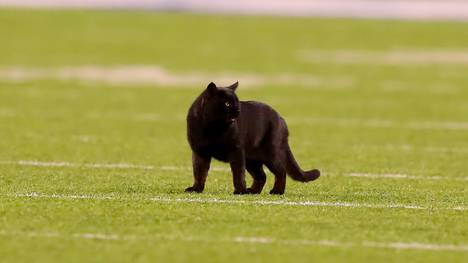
[{"x": 391, "y": 139}]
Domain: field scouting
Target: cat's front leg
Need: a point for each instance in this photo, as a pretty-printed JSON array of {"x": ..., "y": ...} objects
[
  {"x": 238, "y": 172},
  {"x": 201, "y": 165}
]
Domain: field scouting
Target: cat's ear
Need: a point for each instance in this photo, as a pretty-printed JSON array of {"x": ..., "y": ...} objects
[
  {"x": 212, "y": 88},
  {"x": 234, "y": 86}
]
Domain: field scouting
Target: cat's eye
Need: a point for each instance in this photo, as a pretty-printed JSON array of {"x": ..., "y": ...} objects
[{"x": 227, "y": 104}]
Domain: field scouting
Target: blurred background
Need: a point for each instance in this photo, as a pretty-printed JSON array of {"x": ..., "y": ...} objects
[{"x": 412, "y": 9}]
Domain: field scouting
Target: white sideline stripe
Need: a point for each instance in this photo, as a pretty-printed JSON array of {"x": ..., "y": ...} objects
[
  {"x": 244, "y": 239},
  {"x": 88, "y": 165},
  {"x": 165, "y": 199}
]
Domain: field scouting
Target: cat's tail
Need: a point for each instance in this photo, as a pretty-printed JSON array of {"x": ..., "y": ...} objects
[{"x": 296, "y": 173}]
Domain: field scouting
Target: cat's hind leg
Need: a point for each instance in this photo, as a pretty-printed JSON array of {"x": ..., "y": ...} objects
[
  {"x": 259, "y": 177},
  {"x": 279, "y": 171}
]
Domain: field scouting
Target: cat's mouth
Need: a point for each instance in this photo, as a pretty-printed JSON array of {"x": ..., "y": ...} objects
[{"x": 233, "y": 116}]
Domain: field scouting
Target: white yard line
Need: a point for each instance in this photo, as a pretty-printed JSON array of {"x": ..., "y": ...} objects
[
  {"x": 119, "y": 166},
  {"x": 281, "y": 203},
  {"x": 188, "y": 168},
  {"x": 242, "y": 239},
  {"x": 416, "y": 246},
  {"x": 157, "y": 75},
  {"x": 70, "y": 197},
  {"x": 85, "y": 138},
  {"x": 165, "y": 199}
]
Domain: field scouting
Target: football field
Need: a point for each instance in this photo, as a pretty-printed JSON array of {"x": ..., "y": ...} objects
[{"x": 94, "y": 157}]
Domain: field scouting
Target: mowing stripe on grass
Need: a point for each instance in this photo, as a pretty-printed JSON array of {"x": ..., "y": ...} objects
[
  {"x": 6, "y": 112},
  {"x": 157, "y": 75},
  {"x": 242, "y": 239},
  {"x": 409, "y": 148},
  {"x": 380, "y": 123},
  {"x": 453, "y": 125},
  {"x": 403, "y": 57},
  {"x": 166, "y": 199}
]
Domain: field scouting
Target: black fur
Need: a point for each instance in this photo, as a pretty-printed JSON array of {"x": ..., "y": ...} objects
[{"x": 247, "y": 134}]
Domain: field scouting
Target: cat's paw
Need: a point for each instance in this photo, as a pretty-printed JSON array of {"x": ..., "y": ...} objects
[
  {"x": 193, "y": 189},
  {"x": 276, "y": 192},
  {"x": 253, "y": 191},
  {"x": 240, "y": 191}
]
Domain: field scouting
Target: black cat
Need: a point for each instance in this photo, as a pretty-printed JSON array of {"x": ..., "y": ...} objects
[{"x": 247, "y": 134}]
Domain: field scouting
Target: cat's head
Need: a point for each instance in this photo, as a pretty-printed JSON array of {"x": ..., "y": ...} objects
[{"x": 221, "y": 103}]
